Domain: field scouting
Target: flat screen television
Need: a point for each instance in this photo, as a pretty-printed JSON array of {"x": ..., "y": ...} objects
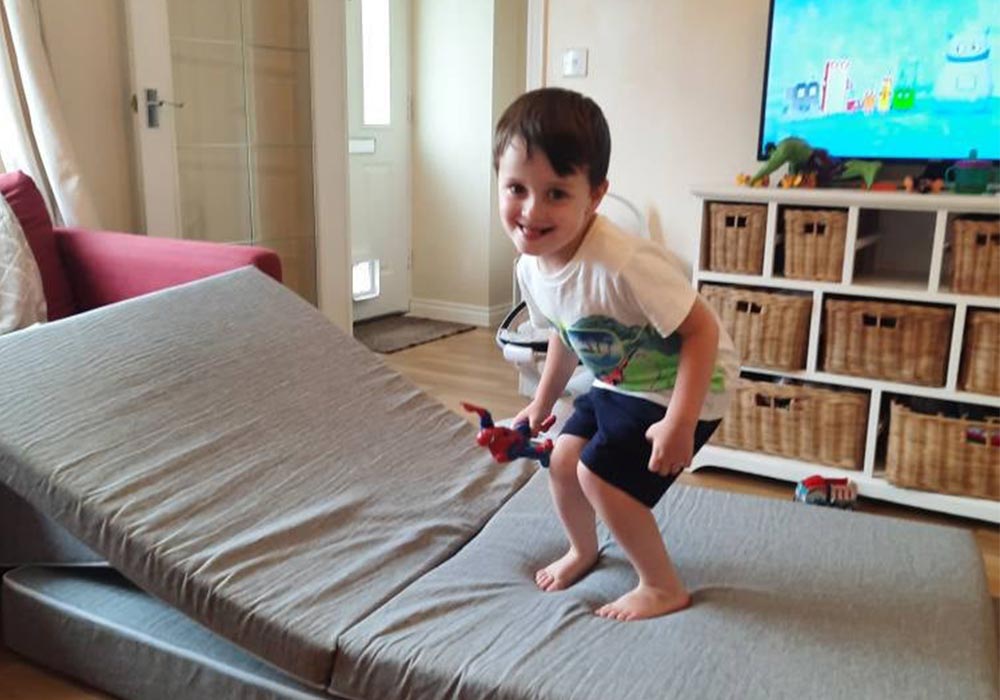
[{"x": 893, "y": 80}]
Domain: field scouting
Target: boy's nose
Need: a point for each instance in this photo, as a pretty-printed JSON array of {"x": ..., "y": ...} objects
[{"x": 528, "y": 207}]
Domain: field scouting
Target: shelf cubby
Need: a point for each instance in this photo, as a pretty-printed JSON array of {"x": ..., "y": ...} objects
[
  {"x": 894, "y": 248},
  {"x": 896, "y": 251}
]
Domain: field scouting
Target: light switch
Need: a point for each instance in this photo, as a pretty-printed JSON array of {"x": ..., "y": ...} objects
[{"x": 574, "y": 63}]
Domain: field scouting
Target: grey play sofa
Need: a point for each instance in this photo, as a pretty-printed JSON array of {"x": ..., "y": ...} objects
[{"x": 305, "y": 523}]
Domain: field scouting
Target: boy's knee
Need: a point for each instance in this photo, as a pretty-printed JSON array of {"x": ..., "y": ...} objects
[
  {"x": 594, "y": 487},
  {"x": 562, "y": 464},
  {"x": 588, "y": 480}
]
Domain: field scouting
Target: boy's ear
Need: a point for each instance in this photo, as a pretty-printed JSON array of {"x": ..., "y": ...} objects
[{"x": 597, "y": 194}]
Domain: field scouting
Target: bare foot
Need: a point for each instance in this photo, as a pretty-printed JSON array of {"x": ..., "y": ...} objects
[
  {"x": 565, "y": 571},
  {"x": 643, "y": 602}
]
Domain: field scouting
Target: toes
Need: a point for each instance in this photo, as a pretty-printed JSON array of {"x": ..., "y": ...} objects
[
  {"x": 608, "y": 612},
  {"x": 611, "y": 611},
  {"x": 632, "y": 608},
  {"x": 544, "y": 580}
]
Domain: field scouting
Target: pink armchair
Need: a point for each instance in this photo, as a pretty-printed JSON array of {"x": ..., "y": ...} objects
[{"x": 83, "y": 269}]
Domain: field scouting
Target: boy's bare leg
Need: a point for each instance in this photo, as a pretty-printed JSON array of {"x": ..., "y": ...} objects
[
  {"x": 660, "y": 590},
  {"x": 577, "y": 517}
]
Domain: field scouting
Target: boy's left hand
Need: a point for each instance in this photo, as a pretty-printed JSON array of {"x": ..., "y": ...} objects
[{"x": 673, "y": 447}]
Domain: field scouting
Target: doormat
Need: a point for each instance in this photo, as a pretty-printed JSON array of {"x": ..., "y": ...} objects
[{"x": 388, "y": 334}]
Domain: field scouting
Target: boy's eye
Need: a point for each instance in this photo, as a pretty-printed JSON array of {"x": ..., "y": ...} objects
[
  {"x": 515, "y": 189},
  {"x": 557, "y": 194}
]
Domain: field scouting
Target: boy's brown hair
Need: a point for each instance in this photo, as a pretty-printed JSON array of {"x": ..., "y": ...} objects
[{"x": 567, "y": 127}]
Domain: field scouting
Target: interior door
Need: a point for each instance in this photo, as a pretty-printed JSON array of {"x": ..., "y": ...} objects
[
  {"x": 223, "y": 117},
  {"x": 379, "y": 152}
]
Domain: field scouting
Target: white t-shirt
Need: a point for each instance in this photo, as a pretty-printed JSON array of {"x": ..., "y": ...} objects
[{"x": 618, "y": 304}]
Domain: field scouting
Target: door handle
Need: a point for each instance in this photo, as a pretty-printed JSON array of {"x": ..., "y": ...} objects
[{"x": 153, "y": 104}]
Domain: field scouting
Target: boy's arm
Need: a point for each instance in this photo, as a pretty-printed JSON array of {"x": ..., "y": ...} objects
[
  {"x": 673, "y": 437},
  {"x": 700, "y": 334},
  {"x": 560, "y": 362}
]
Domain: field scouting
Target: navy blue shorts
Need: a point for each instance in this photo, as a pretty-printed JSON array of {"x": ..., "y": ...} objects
[{"x": 617, "y": 449}]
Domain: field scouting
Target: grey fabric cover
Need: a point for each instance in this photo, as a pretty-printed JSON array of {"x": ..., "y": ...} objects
[
  {"x": 790, "y": 601},
  {"x": 93, "y": 625},
  {"x": 232, "y": 452}
]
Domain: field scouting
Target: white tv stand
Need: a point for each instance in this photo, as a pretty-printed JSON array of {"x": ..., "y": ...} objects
[{"x": 896, "y": 249}]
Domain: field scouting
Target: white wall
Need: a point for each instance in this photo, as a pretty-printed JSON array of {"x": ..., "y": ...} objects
[
  {"x": 509, "y": 49},
  {"x": 461, "y": 266},
  {"x": 333, "y": 244},
  {"x": 452, "y": 62},
  {"x": 88, "y": 54},
  {"x": 680, "y": 83}
]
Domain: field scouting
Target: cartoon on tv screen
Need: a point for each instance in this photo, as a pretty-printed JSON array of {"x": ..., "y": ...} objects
[{"x": 888, "y": 79}]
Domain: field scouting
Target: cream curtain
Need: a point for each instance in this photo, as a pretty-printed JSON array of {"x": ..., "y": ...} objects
[{"x": 33, "y": 135}]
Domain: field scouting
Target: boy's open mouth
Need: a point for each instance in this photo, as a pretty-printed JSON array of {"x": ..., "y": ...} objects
[{"x": 534, "y": 232}]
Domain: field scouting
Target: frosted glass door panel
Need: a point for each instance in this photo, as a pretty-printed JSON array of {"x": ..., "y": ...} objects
[
  {"x": 244, "y": 134},
  {"x": 279, "y": 87},
  {"x": 297, "y": 263},
  {"x": 208, "y": 79},
  {"x": 283, "y": 212},
  {"x": 278, "y": 23},
  {"x": 215, "y": 193},
  {"x": 212, "y": 20}
]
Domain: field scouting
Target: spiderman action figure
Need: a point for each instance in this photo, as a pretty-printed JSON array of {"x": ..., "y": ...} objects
[{"x": 506, "y": 444}]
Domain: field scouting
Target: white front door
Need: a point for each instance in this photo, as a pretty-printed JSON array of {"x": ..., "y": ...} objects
[
  {"x": 378, "y": 86},
  {"x": 224, "y": 102}
]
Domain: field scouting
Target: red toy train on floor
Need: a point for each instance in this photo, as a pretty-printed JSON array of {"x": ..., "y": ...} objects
[
  {"x": 506, "y": 444},
  {"x": 825, "y": 491}
]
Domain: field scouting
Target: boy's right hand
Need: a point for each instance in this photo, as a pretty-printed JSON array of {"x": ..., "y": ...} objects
[{"x": 536, "y": 416}]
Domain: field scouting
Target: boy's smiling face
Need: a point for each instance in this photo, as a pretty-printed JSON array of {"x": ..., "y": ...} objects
[{"x": 544, "y": 214}]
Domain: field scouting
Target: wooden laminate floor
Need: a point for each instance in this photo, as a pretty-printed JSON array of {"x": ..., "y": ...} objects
[{"x": 469, "y": 367}]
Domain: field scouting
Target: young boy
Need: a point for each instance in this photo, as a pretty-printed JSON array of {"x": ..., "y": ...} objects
[{"x": 664, "y": 368}]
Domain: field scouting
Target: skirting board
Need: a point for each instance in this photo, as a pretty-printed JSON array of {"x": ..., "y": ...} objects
[{"x": 485, "y": 316}]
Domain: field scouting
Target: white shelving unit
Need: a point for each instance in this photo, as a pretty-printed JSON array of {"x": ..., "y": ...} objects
[{"x": 896, "y": 249}]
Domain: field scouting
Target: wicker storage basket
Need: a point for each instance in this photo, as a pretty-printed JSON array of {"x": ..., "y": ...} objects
[
  {"x": 814, "y": 243},
  {"x": 975, "y": 245},
  {"x": 800, "y": 422},
  {"x": 949, "y": 455},
  {"x": 980, "y": 370},
  {"x": 901, "y": 342},
  {"x": 768, "y": 329},
  {"x": 736, "y": 237}
]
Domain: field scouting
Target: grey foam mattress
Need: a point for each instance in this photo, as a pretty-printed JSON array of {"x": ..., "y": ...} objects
[
  {"x": 835, "y": 605},
  {"x": 236, "y": 455},
  {"x": 789, "y": 601}
]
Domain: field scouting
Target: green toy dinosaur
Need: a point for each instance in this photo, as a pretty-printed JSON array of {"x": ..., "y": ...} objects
[
  {"x": 803, "y": 158},
  {"x": 865, "y": 169},
  {"x": 793, "y": 151}
]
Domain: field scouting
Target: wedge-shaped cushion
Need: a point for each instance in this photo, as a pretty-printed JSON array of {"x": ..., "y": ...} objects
[
  {"x": 790, "y": 601},
  {"x": 91, "y": 624},
  {"x": 233, "y": 453}
]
